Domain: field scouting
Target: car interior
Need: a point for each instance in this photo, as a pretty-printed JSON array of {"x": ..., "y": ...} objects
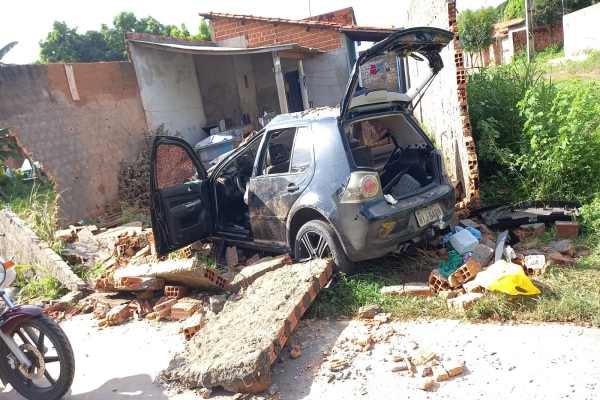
[
  {"x": 396, "y": 149},
  {"x": 230, "y": 188}
]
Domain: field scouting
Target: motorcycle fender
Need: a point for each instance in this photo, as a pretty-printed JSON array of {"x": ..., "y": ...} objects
[{"x": 16, "y": 316}]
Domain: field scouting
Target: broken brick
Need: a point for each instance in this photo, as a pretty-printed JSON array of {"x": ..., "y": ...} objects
[
  {"x": 368, "y": 311},
  {"x": 454, "y": 367},
  {"x": 193, "y": 325},
  {"x": 567, "y": 229},
  {"x": 439, "y": 373},
  {"x": 464, "y": 273},
  {"x": 564, "y": 246},
  {"x": 437, "y": 283},
  {"x": 561, "y": 259},
  {"x": 174, "y": 291},
  {"x": 185, "y": 308}
]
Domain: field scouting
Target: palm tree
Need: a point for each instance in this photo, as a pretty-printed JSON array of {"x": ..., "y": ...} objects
[{"x": 6, "y": 49}]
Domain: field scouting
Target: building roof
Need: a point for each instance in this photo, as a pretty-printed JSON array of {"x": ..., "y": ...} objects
[
  {"x": 355, "y": 32},
  {"x": 227, "y": 51},
  {"x": 502, "y": 28}
]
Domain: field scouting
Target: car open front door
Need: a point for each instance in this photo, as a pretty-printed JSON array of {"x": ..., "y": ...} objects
[{"x": 180, "y": 197}]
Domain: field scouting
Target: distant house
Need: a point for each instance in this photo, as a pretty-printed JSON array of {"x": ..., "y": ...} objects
[
  {"x": 510, "y": 38},
  {"x": 255, "y": 66}
]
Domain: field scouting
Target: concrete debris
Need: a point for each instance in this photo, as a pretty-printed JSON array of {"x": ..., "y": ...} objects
[
  {"x": 117, "y": 315},
  {"x": 216, "y": 303},
  {"x": 464, "y": 302},
  {"x": 185, "y": 308},
  {"x": 295, "y": 352},
  {"x": 235, "y": 350},
  {"x": 368, "y": 311},
  {"x": 427, "y": 384},
  {"x": 535, "y": 265},
  {"x": 439, "y": 373},
  {"x": 250, "y": 273},
  {"x": 193, "y": 325},
  {"x": 231, "y": 256},
  {"x": 564, "y": 246},
  {"x": 561, "y": 259},
  {"x": 483, "y": 254},
  {"x": 408, "y": 289},
  {"x": 530, "y": 230},
  {"x": 205, "y": 393}
]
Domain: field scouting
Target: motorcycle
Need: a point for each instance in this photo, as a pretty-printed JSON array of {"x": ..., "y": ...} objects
[{"x": 36, "y": 358}]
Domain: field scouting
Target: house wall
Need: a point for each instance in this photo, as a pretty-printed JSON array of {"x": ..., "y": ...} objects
[
  {"x": 218, "y": 85},
  {"x": 582, "y": 30},
  {"x": 543, "y": 36},
  {"x": 266, "y": 88},
  {"x": 264, "y": 33},
  {"x": 344, "y": 16},
  {"x": 326, "y": 77},
  {"x": 80, "y": 143},
  {"x": 443, "y": 110},
  {"x": 170, "y": 92}
]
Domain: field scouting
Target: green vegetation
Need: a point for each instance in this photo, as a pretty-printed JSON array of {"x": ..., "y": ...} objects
[
  {"x": 65, "y": 44},
  {"x": 35, "y": 289},
  {"x": 5, "y": 49},
  {"x": 35, "y": 203},
  {"x": 475, "y": 28}
]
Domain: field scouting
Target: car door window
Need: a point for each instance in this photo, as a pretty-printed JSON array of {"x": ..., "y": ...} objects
[
  {"x": 302, "y": 155},
  {"x": 174, "y": 166},
  {"x": 278, "y": 152}
]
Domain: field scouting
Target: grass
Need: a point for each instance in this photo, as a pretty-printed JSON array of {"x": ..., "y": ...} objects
[
  {"x": 569, "y": 294},
  {"x": 574, "y": 69},
  {"x": 36, "y": 204},
  {"x": 35, "y": 289}
]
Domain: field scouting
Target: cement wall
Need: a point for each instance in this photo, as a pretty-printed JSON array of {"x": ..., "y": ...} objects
[
  {"x": 80, "y": 134},
  {"x": 170, "y": 92},
  {"x": 443, "y": 110},
  {"x": 582, "y": 30},
  {"x": 266, "y": 88},
  {"x": 219, "y": 89},
  {"x": 326, "y": 77},
  {"x": 19, "y": 243}
]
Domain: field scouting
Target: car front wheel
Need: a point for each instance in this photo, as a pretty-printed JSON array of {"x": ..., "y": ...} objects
[{"x": 316, "y": 239}]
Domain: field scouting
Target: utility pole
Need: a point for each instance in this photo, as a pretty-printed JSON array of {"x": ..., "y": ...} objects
[{"x": 529, "y": 11}]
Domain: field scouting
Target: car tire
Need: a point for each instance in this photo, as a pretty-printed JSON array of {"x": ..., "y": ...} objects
[{"x": 324, "y": 244}]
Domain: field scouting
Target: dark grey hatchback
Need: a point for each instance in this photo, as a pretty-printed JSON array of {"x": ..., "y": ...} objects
[{"x": 352, "y": 183}]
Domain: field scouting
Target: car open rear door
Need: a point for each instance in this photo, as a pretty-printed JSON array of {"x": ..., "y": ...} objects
[
  {"x": 423, "y": 44},
  {"x": 180, "y": 195}
]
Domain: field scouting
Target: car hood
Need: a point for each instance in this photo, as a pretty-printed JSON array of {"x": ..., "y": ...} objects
[{"x": 419, "y": 43}]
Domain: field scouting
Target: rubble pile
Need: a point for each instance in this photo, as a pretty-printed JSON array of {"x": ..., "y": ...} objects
[
  {"x": 404, "y": 356},
  {"x": 134, "y": 177},
  {"x": 238, "y": 346},
  {"x": 478, "y": 260}
]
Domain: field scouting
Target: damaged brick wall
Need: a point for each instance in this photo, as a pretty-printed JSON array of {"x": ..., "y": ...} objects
[
  {"x": 79, "y": 121},
  {"x": 264, "y": 33},
  {"x": 443, "y": 110}
]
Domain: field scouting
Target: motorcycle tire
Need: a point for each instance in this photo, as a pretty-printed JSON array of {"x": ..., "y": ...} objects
[{"x": 26, "y": 387}]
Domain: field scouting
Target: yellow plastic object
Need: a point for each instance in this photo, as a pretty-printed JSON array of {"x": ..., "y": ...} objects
[{"x": 514, "y": 284}]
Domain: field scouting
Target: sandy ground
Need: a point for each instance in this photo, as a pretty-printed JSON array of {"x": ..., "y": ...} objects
[{"x": 503, "y": 361}]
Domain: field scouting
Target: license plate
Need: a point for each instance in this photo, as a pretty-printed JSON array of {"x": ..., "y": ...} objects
[{"x": 429, "y": 214}]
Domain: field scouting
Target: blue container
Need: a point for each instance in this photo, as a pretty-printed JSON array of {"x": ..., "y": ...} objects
[{"x": 213, "y": 146}]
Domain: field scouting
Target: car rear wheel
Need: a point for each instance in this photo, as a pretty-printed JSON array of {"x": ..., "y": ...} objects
[{"x": 316, "y": 239}]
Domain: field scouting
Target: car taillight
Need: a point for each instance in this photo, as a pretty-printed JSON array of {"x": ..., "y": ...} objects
[
  {"x": 362, "y": 186},
  {"x": 8, "y": 264}
]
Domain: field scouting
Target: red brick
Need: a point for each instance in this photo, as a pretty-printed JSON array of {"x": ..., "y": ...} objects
[{"x": 567, "y": 229}]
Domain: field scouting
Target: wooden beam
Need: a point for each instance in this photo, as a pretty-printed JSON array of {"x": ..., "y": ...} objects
[
  {"x": 303, "y": 89},
  {"x": 283, "y": 106}
]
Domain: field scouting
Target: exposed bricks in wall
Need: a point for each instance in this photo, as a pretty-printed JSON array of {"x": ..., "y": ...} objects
[
  {"x": 472, "y": 190},
  {"x": 344, "y": 16},
  {"x": 543, "y": 36},
  {"x": 80, "y": 143},
  {"x": 263, "y": 33}
]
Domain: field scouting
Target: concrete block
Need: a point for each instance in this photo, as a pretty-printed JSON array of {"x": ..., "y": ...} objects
[
  {"x": 463, "y": 302},
  {"x": 185, "y": 308},
  {"x": 252, "y": 272},
  {"x": 408, "y": 289},
  {"x": 437, "y": 283},
  {"x": 465, "y": 273},
  {"x": 483, "y": 254},
  {"x": 238, "y": 346}
]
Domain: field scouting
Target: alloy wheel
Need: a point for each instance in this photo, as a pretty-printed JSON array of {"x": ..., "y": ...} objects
[{"x": 313, "y": 245}]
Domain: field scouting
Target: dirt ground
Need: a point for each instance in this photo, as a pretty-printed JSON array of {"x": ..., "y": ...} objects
[{"x": 503, "y": 361}]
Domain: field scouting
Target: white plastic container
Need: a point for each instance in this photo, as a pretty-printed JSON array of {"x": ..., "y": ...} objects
[{"x": 463, "y": 241}]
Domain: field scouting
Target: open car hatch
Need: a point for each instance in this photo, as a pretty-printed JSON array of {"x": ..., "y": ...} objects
[{"x": 423, "y": 44}]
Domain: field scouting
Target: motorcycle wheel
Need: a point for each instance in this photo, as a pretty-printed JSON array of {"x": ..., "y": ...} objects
[{"x": 47, "y": 346}]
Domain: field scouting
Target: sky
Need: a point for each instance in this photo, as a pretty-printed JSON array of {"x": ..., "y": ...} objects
[{"x": 29, "y": 21}]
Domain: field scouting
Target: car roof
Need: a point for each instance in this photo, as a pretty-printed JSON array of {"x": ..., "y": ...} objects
[{"x": 303, "y": 117}]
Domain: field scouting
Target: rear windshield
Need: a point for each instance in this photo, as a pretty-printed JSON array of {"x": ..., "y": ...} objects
[{"x": 373, "y": 140}]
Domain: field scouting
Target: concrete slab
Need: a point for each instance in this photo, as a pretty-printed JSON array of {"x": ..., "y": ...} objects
[
  {"x": 252, "y": 272},
  {"x": 235, "y": 349}
]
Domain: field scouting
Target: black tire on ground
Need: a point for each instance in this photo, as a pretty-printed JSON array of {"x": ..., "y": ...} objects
[
  {"x": 54, "y": 334},
  {"x": 320, "y": 237}
]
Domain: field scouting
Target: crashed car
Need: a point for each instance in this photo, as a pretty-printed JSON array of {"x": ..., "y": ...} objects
[{"x": 351, "y": 183}]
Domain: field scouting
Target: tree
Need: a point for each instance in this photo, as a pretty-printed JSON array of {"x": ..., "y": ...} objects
[
  {"x": 475, "y": 28},
  {"x": 65, "y": 44},
  {"x": 6, "y": 49},
  {"x": 513, "y": 9}
]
